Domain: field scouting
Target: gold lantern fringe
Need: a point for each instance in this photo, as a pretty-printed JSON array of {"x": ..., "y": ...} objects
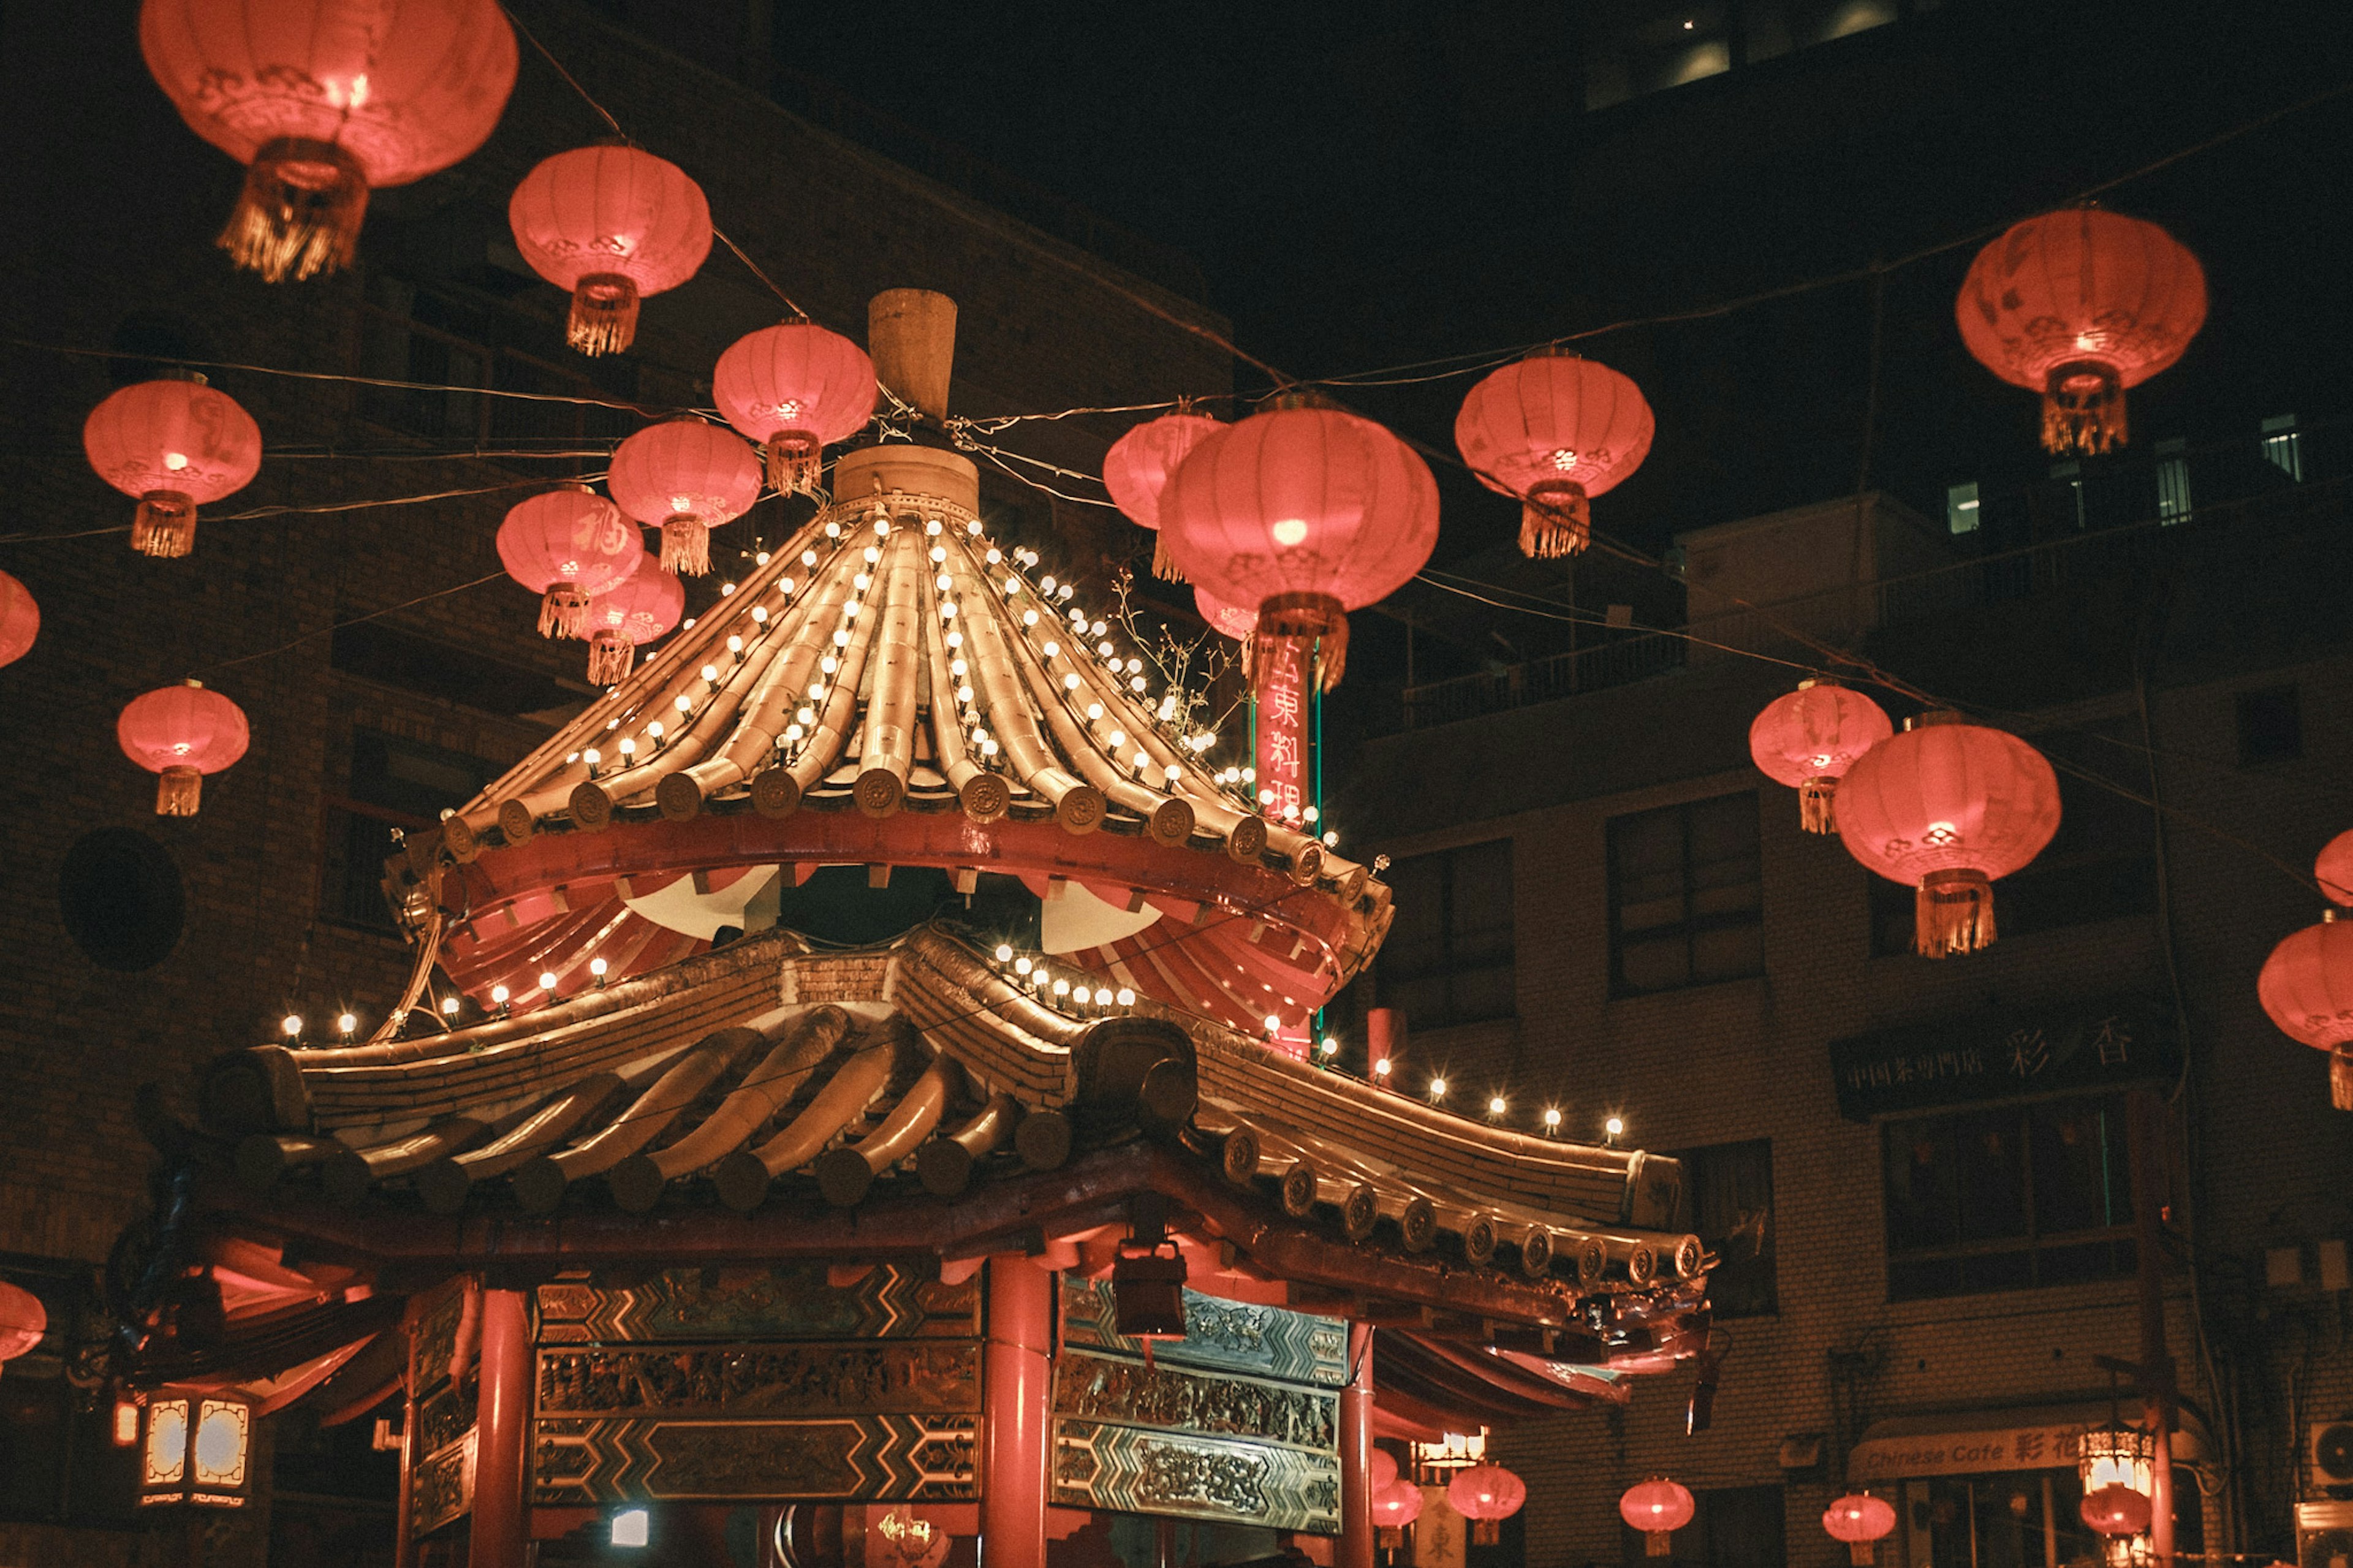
[
  {"x": 165, "y": 524},
  {"x": 1164, "y": 566},
  {"x": 177, "y": 792},
  {"x": 1817, "y": 808},
  {"x": 1860, "y": 1553},
  {"x": 299, "y": 211},
  {"x": 1556, "y": 521},
  {"x": 562, "y": 611},
  {"x": 1953, "y": 913},
  {"x": 686, "y": 547},
  {"x": 796, "y": 462},
  {"x": 2083, "y": 408},
  {"x": 2340, "y": 1080},
  {"x": 611, "y": 655},
  {"x": 1658, "y": 1544},
  {"x": 1310, "y": 625},
  {"x": 604, "y": 318}
]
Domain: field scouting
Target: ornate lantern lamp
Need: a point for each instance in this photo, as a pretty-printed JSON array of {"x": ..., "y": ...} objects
[
  {"x": 1861, "y": 1520},
  {"x": 1658, "y": 1507},
  {"x": 197, "y": 1448},
  {"x": 2116, "y": 1455}
]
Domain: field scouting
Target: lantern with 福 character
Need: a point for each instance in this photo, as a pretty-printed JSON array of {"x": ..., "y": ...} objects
[
  {"x": 1136, "y": 468},
  {"x": 1946, "y": 807},
  {"x": 568, "y": 546},
  {"x": 180, "y": 733},
  {"x": 1554, "y": 430},
  {"x": 612, "y": 225},
  {"x": 321, "y": 100},
  {"x": 1862, "y": 1521},
  {"x": 795, "y": 389},
  {"x": 632, "y": 613},
  {"x": 1658, "y": 1507},
  {"x": 1486, "y": 1495},
  {"x": 2078, "y": 305},
  {"x": 197, "y": 1448},
  {"x": 687, "y": 478},
  {"x": 174, "y": 444},
  {"x": 1808, "y": 739}
]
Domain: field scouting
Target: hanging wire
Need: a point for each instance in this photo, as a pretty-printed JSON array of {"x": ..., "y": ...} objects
[
  {"x": 339, "y": 625},
  {"x": 252, "y": 514}
]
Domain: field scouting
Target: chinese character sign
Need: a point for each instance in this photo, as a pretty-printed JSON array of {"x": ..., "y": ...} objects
[{"x": 1282, "y": 762}]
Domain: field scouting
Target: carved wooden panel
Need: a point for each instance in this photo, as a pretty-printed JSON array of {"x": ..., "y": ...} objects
[
  {"x": 1137, "y": 1470},
  {"x": 877, "y": 1459},
  {"x": 441, "y": 1414},
  {"x": 443, "y": 1488},
  {"x": 744, "y": 1380},
  {"x": 1230, "y": 1336},
  {"x": 1108, "y": 1388},
  {"x": 788, "y": 1302}
]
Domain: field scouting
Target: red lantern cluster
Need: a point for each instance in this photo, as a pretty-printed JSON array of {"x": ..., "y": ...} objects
[
  {"x": 1306, "y": 512},
  {"x": 1947, "y": 807},
  {"x": 1137, "y": 471},
  {"x": 795, "y": 389},
  {"x": 626, "y": 617},
  {"x": 176, "y": 445},
  {"x": 1658, "y": 1507},
  {"x": 20, "y": 619},
  {"x": 322, "y": 99},
  {"x": 612, "y": 225},
  {"x": 568, "y": 546},
  {"x": 2078, "y": 305},
  {"x": 1554, "y": 430},
  {"x": 180, "y": 733},
  {"x": 1808, "y": 739},
  {"x": 688, "y": 477},
  {"x": 1861, "y": 1520}
]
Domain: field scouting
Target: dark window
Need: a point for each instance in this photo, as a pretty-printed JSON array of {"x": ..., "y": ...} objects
[
  {"x": 452, "y": 340},
  {"x": 391, "y": 657},
  {"x": 1686, "y": 896},
  {"x": 2271, "y": 726},
  {"x": 2008, "y": 1198},
  {"x": 394, "y": 783},
  {"x": 1448, "y": 957},
  {"x": 121, "y": 898},
  {"x": 1731, "y": 1527},
  {"x": 58, "y": 1463},
  {"x": 1727, "y": 1202}
]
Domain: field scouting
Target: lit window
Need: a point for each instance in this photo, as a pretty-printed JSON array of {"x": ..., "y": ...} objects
[
  {"x": 2282, "y": 447},
  {"x": 1961, "y": 508},
  {"x": 2172, "y": 481}
]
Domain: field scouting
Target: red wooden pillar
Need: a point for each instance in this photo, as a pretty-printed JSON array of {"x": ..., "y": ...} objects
[
  {"x": 1017, "y": 1377},
  {"x": 1356, "y": 1452},
  {"x": 501, "y": 1427}
]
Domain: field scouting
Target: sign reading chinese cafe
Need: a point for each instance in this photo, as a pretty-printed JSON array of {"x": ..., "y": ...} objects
[
  {"x": 1282, "y": 735},
  {"x": 2084, "y": 1047}
]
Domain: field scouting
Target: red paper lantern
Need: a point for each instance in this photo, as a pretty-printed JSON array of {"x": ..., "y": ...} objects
[
  {"x": 1860, "y": 1520},
  {"x": 1809, "y": 738},
  {"x": 796, "y": 389},
  {"x": 1485, "y": 1494},
  {"x": 1396, "y": 1505},
  {"x": 180, "y": 733},
  {"x": 1228, "y": 620},
  {"x": 1554, "y": 430},
  {"x": 1947, "y": 806},
  {"x": 628, "y": 615},
  {"x": 2307, "y": 987},
  {"x": 322, "y": 99},
  {"x": 2334, "y": 869},
  {"x": 612, "y": 225},
  {"x": 2116, "y": 1511},
  {"x": 20, "y": 619},
  {"x": 1381, "y": 1471},
  {"x": 175, "y": 443},
  {"x": 2078, "y": 305},
  {"x": 1136, "y": 468},
  {"x": 1306, "y": 512},
  {"x": 1658, "y": 1507},
  {"x": 567, "y": 547},
  {"x": 23, "y": 1321},
  {"x": 689, "y": 477}
]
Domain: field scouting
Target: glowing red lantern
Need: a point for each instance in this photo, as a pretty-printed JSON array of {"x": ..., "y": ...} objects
[
  {"x": 1486, "y": 1495},
  {"x": 567, "y": 547},
  {"x": 1136, "y": 468},
  {"x": 2078, "y": 305},
  {"x": 180, "y": 733},
  {"x": 796, "y": 389},
  {"x": 175, "y": 443},
  {"x": 626, "y": 617},
  {"x": 1859, "y": 1520},
  {"x": 2334, "y": 869},
  {"x": 1227, "y": 620},
  {"x": 1554, "y": 430},
  {"x": 20, "y": 619},
  {"x": 322, "y": 99},
  {"x": 1658, "y": 1507},
  {"x": 23, "y": 1321},
  {"x": 1305, "y": 513},
  {"x": 2116, "y": 1509},
  {"x": 1947, "y": 807},
  {"x": 2307, "y": 987},
  {"x": 1381, "y": 1471},
  {"x": 612, "y": 225},
  {"x": 1396, "y": 1505},
  {"x": 1809, "y": 738},
  {"x": 689, "y": 477}
]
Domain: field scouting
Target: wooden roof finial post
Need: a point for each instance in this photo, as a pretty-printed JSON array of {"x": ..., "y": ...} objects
[{"x": 910, "y": 336}]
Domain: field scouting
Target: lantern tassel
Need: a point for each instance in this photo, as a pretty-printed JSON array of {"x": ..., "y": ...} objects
[
  {"x": 1556, "y": 521},
  {"x": 1164, "y": 566},
  {"x": 1658, "y": 1544},
  {"x": 796, "y": 462},
  {"x": 2084, "y": 409},
  {"x": 686, "y": 547},
  {"x": 611, "y": 655},
  {"x": 299, "y": 212},
  {"x": 178, "y": 791},
  {"x": 1859, "y": 1554},
  {"x": 1953, "y": 913},
  {"x": 1816, "y": 811},
  {"x": 1309, "y": 626},
  {"x": 166, "y": 525},
  {"x": 562, "y": 611},
  {"x": 604, "y": 318}
]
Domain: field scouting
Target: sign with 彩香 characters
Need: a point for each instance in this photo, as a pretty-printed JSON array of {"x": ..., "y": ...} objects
[
  {"x": 2081, "y": 1048},
  {"x": 1966, "y": 1453}
]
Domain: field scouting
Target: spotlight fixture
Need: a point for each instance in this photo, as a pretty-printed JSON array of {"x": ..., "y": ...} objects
[{"x": 1147, "y": 1289}]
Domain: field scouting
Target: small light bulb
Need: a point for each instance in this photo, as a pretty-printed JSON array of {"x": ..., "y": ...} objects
[
  {"x": 973, "y": 528},
  {"x": 808, "y": 558},
  {"x": 994, "y": 555},
  {"x": 1438, "y": 1088},
  {"x": 1069, "y": 683},
  {"x": 1061, "y": 987},
  {"x": 932, "y": 530},
  {"x": 1104, "y": 648},
  {"x": 1381, "y": 1067},
  {"x": 1266, "y": 797},
  {"x": 547, "y": 980},
  {"x": 685, "y": 704},
  {"x": 793, "y": 732},
  {"x": 592, "y": 756},
  {"x": 785, "y": 586},
  {"x": 1331, "y": 841},
  {"x": 955, "y": 639},
  {"x": 596, "y": 966},
  {"x": 760, "y": 558},
  {"x": 726, "y": 589},
  {"x": 1022, "y": 966},
  {"x": 1552, "y": 1116},
  {"x": 828, "y": 665},
  {"x": 291, "y": 1025},
  {"x": 1310, "y": 814},
  {"x": 498, "y": 995},
  {"x": 947, "y": 610},
  {"x": 1012, "y": 586},
  {"x": 1126, "y": 998},
  {"x": 1250, "y": 775},
  {"x": 1614, "y": 1126},
  {"x": 862, "y": 582},
  {"x": 841, "y": 637},
  {"x": 872, "y": 555},
  {"x": 849, "y": 611},
  {"x": 1273, "y": 1024},
  {"x": 1066, "y": 590},
  {"x": 882, "y": 527},
  {"x": 1096, "y": 630},
  {"x": 1135, "y": 667},
  {"x": 963, "y": 695},
  {"x": 988, "y": 746},
  {"x": 734, "y": 644},
  {"x": 1328, "y": 1046},
  {"x": 1004, "y": 952},
  {"x": 1052, "y": 648},
  {"x": 654, "y": 730},
  {"x": 1118, "y": 737},
  {"x": 1497, "y": 1107},
  {"x": 449, "y": 1006},
  {"x": 1028, "y": 617},
  {"x": 1143, "y": 761},
  {"x": 1136, "y": 686},
  {"x": 958, "y": 668},
  {"x": 628, "y": 748},
  {"x": 1172, "y": 773},
  {"x": 1094, "y": 712},
  {"x": 817, "y": 691},
  {"x": 1045, "y": 584},
  {"x": 710, "y": 673},
  {"x": 833, "y": 530}
]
